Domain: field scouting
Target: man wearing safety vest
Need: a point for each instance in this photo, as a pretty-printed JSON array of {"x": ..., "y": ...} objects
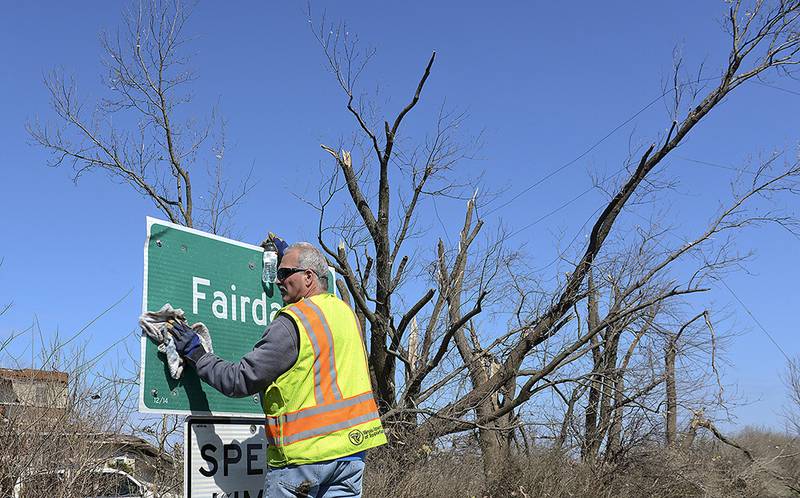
[{"x": 310, "y": 368}]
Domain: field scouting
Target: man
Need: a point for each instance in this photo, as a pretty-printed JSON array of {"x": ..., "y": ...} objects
[{"x": 310, "y": 368}]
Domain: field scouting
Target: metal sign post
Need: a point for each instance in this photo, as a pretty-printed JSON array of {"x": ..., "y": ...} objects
[{"x": 224, "y": 457}]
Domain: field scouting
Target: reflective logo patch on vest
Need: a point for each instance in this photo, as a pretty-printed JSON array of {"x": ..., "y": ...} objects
[{"x": 356, "y": 437}]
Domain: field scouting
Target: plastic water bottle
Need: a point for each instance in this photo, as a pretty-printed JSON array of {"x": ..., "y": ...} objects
[{"x": 270, "y": 272}]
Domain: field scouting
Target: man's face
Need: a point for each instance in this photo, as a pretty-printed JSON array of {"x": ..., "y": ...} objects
[{"x": 296, "y": 286}]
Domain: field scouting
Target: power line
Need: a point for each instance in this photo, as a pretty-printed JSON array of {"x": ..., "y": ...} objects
[
  {"x": 551, "y": 213},
  {"x": 573, "y": 161},
  {"x": 554, "y": 211},
  {"x": 776, "y": 88},
  {"x": 732, "y": 168},
  {"x": 615, "y": 174},
  {"x": 562, "y": 206},
  {"x": 594, "y": 146},
  {"x": 763, "y": 329},
  {"x": 574, "y": 238},
  {"x": 617, "y": 128},
  {"x": 735, "y": 296},
  {"x": 714, "y": 165},
  {"x": 671, "y": 232}
]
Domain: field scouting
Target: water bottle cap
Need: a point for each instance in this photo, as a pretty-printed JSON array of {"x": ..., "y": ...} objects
[{"x": 269, "y": 245}]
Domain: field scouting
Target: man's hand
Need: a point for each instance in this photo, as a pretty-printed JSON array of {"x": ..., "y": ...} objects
[
  {"x": 280, "y": 244},
  {"x": 186, "y": 340}
]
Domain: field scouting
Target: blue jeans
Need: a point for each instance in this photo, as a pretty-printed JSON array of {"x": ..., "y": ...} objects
[{"x": 335, "y": 479}]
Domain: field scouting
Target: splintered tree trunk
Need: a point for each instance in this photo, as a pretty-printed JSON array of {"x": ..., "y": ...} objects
[{"x": 494, "y": 436}]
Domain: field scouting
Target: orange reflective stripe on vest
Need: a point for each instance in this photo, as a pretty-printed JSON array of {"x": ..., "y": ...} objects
[
  {"x": 321, "y": 420},
  {"x": 326, "y": 389}
]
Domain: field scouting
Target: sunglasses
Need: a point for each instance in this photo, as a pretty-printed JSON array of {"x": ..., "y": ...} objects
[{"x": 284, "y": 273}]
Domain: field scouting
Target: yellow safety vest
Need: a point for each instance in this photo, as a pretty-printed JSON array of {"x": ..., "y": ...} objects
[{"x": 322, "y": 408}]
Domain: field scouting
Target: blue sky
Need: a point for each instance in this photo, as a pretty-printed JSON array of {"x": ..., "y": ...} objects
[{"x": 542, "y": 82}]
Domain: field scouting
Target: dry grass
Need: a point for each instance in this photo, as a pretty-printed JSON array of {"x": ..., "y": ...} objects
[{"x": 707, "y": 470}]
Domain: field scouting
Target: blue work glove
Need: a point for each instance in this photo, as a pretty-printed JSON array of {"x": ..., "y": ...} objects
[
  {"x": 187, "y": 342},
  {"x": 280, "y": 244}
]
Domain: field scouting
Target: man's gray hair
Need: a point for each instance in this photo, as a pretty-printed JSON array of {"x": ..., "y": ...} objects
[{"x": 311, "y": 258}]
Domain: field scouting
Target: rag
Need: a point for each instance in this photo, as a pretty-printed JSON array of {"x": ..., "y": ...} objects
[{"x": 155, "y": 325}]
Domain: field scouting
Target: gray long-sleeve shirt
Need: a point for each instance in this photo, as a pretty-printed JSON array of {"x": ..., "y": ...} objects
[{"x": 273, "y": 355}]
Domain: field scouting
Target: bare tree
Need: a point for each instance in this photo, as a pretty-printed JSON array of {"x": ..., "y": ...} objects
[
  {"x": 483, "y": 386},
  {"x": 370, "y": 236},
  {"x": 763, "y": 39},
  {"x": 62, "y": 426},
  {"x": 141, "y": 134},
  {"x": 622, "y": 402}
]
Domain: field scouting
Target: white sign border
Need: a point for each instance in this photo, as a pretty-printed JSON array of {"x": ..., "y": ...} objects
[
  {"x": 143, "y": 344},
  {"x": 142, "y": 407}
]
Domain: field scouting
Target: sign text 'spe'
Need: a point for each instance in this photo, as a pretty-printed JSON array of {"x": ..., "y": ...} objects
[{"x": 231, "y": 454}]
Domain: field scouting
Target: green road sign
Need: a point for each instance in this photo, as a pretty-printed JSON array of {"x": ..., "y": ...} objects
[{"x": 216, "y": 281}]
